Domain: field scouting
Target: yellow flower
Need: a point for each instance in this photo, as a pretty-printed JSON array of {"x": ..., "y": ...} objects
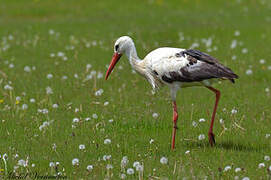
[
  {"x": 1, "y": 101},
  {"x": 17, "y": 102}
]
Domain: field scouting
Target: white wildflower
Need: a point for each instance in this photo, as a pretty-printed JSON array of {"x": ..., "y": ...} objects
[
  {"x": 22, "y": 162},
  {"x": 49, "y": 90},
  {"x": 187, "y": 152},
  {"x": 122, "y": 176},
  {"x": 237, "y": 33},
  {"x": 244, "y": 50},
  {"x": 267, "y": 90},
  {"x": 49, "y": 76},
  {"x": 89, "y": 167},
  {"x": 24, "y": 106},
  {"x": 221, "y": 121},
  {"x": 237, "y": 170},
  {"x": 124, "y": 162},
  {"x": 130, "y": 171},
  {"x": 233, "y": 57},
  {"x": 8, "y": 87},
  {"x": 151, "y": 141},
  {"x": 106, "y": 157},
  {"x": 52, "y": 164},
  {"x": 32, "y": 100},
  {"x": 233, "y": 44},
  {"x": 18, "y": 98},
  {"x": 87, "y": 118},
  {"x": 11, "y": 65},
  {"x": 55, "y": 106},
  {"x": 249, "y": 72},
  {"x": 227, "y": 168},
  {"x": 261, "y": 165},
  {"x": 163, "y": 160},
  {"x": 99, "y": 75},
  {"x": 194, "y": 124},
  {"x": 155, "y": 115},
  {"x": 27, "y": 69},
  {"x": 139, "y": 168},
  {"x": 106, "y": 103},
  {"x": 110, "y": 120},
  {"x": 60, "y": 54},
  {"x": 75, "y": 120},
  {"x": 234, "y": 111},
  {"x": 267, "y": 136},
  {"x": 75, "y": 162},
  {"x": 107, "y": 141},
  {"x": 201, "y": 137},
  {"x": 51, "y": 31},
  {"x": 109, "y": 166},
  {"x": 82, "y": 147},
  {"x": 136, "y": 163},
  {"x": 262, "y": 61},
  {"x": 99, "y": 92},
  {"x": 95, "y": 116},
  {"x": 246, "y": 178},
  {"x": 267, "y": 158},
  {"x": 202, "y": 120}
]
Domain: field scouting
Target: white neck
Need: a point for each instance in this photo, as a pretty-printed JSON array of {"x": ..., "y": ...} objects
[{"x": 132, "y": 54}]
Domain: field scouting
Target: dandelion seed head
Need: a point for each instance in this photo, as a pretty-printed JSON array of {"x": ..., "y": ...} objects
[
  {"x": 75, "y": 162},
  {"x": 27, "y": 69},
  {"x": 234, "y": 111},
  {"x": 51, "y": 164},
  {"x": 163, "y": 160},
  {"x": 130, "y": 171},
  {"x": 82, "y": 147},
  {"x": 227, "y": 168},
  {"x": 261, "y": 165},
  {"x": 202, "y": 120},
  {"x": 49, "y": 76},
  {"x": 22, "y": 163},
  {"x": 109, "y": 166},
  {"x": 55, "y": 106},
  {"x": 124, "y": 162},
  {"x": 201, "y": 137},
  {"x": 246, "y": 178},
  {"x": 249, "y": 72},
  {"x": 237, "y": 169},
  {"x": 267, "y": 158},
  {"x": 106, "y": 103},
  {"x": 24, "y": 106},
  {"x": 194, "y": 124},
  {"x": 107, "y": 141},
  {"x": 155, "y": 115},
  {"x": 89, "y": 167},
  {"x": 95, "y": 116}
]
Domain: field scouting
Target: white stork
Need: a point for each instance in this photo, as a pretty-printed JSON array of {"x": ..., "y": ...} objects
[{"x": 177, "y": 68}]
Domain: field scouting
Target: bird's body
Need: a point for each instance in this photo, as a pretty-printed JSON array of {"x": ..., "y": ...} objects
[{"x": 175, "y": 67}]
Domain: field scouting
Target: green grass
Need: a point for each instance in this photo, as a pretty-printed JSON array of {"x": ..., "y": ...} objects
[{"x": 25, "y": 41}]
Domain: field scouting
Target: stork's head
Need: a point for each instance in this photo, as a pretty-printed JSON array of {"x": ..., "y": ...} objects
[{"x": 121, "y": 45}]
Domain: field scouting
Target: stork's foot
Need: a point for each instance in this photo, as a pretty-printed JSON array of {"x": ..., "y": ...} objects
[{"x": 211, "y": 138}]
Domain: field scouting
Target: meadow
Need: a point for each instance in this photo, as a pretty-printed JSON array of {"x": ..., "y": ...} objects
[{"x": 59, "y": 117}]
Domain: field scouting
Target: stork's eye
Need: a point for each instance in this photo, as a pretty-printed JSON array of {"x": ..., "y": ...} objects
[{"x": 117, "y": 47}]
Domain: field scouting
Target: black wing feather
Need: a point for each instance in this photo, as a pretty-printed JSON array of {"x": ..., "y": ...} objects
[{"x": 211, "y": 68}]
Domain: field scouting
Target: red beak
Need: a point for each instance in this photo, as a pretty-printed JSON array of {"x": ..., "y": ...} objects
[{"x": 114, "y": 61}]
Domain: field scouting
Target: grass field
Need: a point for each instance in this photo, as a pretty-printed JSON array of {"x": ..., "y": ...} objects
[{"x": 56, "y": 108}]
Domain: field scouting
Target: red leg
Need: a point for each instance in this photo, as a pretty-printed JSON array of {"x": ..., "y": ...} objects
[
  {"x": 175, "y": 118},
  {"x": 211, "y": 134}
]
